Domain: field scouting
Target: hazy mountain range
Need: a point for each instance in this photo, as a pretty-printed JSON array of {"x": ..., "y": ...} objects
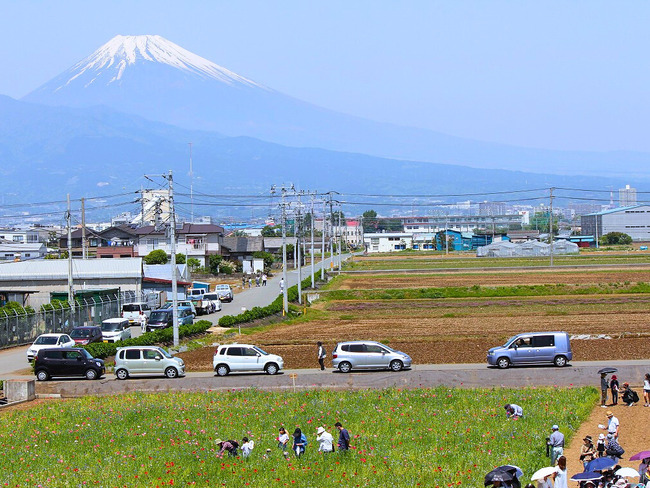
[{"x": 131, "y": 107}]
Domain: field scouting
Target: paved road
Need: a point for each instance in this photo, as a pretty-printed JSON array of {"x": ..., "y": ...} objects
[
  {"x": 579, "y": 373},
  {"x": 13, "y": 361}
]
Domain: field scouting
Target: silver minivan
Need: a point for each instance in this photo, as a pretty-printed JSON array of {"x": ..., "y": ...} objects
[
  {"x": 368, "y": 355},
  {"x": 147, "y": 360},
  {"x": 532, "y": 348}
]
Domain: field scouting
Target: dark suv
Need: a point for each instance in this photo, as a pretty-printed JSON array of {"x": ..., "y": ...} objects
[{"x": 67, "y": 361}]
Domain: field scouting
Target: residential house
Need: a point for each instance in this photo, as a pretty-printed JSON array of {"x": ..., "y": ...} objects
[
  {"x": 387, "y": 241},
  {"x": 198, "y": 241},
  {"x": 22, "y": 252}
]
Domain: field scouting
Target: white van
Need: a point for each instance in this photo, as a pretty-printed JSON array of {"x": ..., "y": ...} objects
[{"x": 136, "y": 313}]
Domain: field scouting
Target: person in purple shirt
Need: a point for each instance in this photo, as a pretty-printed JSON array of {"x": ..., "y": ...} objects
[{"x": 344, "y": 437}]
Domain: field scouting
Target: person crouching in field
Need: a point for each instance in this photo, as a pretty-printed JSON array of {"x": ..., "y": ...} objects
[{"x": 513, "y": 411}]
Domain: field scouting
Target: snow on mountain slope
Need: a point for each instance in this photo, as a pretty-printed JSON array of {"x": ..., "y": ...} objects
[{"x": 108, "y": 63}]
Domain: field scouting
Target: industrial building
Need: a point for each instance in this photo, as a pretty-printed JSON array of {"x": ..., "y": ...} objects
[{"x": 633, "y": 221}]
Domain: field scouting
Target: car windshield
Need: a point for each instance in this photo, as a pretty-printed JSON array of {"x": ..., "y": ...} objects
[
  {"x": 387, "y": 347},
  {"x": 86, "y": 354},
  {"x": 110, "y": 326},
  {"x": 180, "y": 303},
  {"x": 158, "y": 317},
  {"x": 211, "y": 296},
  {"x": 46, "y": 340},
  {"x": 79, "y": 333},
  {"x": 510, "y": 341},
  {"x": 131, "y": 307},
  {"x": 222, "y": 287},
  {"x": 261, "y": 351}
]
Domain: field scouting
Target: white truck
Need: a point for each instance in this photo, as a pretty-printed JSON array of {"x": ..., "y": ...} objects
[{"x": 203, "y": 305}]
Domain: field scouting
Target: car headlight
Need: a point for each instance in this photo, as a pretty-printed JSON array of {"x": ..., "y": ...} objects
[{"x": 98, "y": 364}]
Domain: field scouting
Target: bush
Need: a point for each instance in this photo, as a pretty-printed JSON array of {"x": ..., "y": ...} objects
[
  {"x": 14, "y": 308},
  {"x": 103, "y": 350},
  {"x": 157, "y": 256}
]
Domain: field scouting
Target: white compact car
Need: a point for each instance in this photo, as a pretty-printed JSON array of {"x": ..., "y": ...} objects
[
  {"x": 245, "y": 357},
  {"x": 147, "y": 360},
  {"x": 48, "y": 341},
  {"x": 114, "y": 330}
]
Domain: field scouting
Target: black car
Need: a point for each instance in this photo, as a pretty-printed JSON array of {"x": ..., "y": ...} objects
[
  {"x": 67, "y": 361},
  {"x": 86, "y": 334}
]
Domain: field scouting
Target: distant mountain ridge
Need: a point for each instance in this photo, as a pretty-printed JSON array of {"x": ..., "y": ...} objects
[
  {"x": 47, "y": 152},
  {"x": 156, "y": 79}
]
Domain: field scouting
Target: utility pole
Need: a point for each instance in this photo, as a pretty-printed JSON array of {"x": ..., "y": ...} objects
[
  {"x": 191, "y": 187},
  {"x": 172, "y": 238},
  {"x": 311, "y": 252},
  {"x": 340, "y": 241},
  {"x": 322, "y": 249},
  {"x": 285, "y": 300},
  {"x": 298, "y": 231},
  {"x": 550, "y": 223},
  {"x": 84, "y": 247},
  {"x": 68, "y": 218}
]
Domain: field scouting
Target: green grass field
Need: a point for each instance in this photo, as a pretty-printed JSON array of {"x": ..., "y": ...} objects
[
  {"x": 420, "y": 437},
  {"x": 414, "y": 261}
]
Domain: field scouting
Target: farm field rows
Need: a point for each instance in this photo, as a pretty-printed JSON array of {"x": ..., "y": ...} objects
[
  {"x": 423, "y": 437},
  {"x": 386, "y": 307}
]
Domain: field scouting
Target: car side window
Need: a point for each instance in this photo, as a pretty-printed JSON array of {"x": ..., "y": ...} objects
[
  {"x": 132, "y": 354},
  {"x": 249, "y": 351},
  {"x": 374, "y": 348},
  {"x": 522, "y": 342},
  {"x": 345, "y": 347},
  {"x": 73, "y": 355},
  {"x": 357, "y": 347},
  {"x": 151, "y": 354},
  {"x": 53, "y": 355},
  {"x": 234, "y": 351},
  {"x": 544, "y": 341}
]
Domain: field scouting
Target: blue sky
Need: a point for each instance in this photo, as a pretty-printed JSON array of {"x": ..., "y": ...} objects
[{"x": 553, "y": 74}]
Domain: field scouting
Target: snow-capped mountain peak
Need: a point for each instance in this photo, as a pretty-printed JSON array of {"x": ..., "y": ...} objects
[{"x": 109, "y": 63}]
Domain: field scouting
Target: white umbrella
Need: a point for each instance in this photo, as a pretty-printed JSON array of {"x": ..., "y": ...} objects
[
  {"x": 627, "y": 473},
  {"x": 540, "y": 474}
]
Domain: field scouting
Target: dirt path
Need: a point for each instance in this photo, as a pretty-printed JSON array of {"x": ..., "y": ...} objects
[{"x": 634, "y": 432}]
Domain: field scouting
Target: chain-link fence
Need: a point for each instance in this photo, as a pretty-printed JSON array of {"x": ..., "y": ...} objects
[{"x": 16, "y": 329}]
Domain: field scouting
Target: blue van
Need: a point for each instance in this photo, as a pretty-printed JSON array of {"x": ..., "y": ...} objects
[{"x": 532, "y": 348}]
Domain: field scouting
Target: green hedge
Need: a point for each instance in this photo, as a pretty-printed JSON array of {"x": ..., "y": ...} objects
[
  {"x": 105, "y": 349},
  {"x": 275, "y": 306}
]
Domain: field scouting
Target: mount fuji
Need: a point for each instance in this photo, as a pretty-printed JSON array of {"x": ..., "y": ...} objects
[{"x": 158, "y": 80}]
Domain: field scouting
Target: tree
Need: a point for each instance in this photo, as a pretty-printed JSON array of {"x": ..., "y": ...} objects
[
  {"x": 615, "y": 238},
  {"x": 215, "y": 262},
  {"x": 193, "y": 263},
  {"x": 272, "y": 231},
  {"x": 370, "y": 220},
  {"x": 180, "y": 258},
  {"x": 335, "y": 218},
  {"x": 157, "y": 256},
  {"x": 266, "y": 256},
  {"x": 239, "y": 233}
]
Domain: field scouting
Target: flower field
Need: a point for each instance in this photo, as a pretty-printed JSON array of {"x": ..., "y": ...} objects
[{"x": 417, "y": 437}]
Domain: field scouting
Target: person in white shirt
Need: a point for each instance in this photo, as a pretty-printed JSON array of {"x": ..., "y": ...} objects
[
  {"x": 560, "y": 477},
  {"x": 247, "y": 446},
  {"x": 612, "y": 424},
  {"x": 513, "y": 411},
  {"x": 325, "y": 440},
  {"x": 283, "y": 439}
]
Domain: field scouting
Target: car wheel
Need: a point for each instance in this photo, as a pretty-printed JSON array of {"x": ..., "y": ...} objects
[
  {"x": 171, "y": 372},
  {"x": 560, "y": 361},
  {"x": 396, "y": 365},
  {"x": 503, "y": 363},
  {"x": 42, "y": 375},
  {"x": 222, "y": 370},
  {"x": 91, "y": 374},
  {"x": 345, "y": 367},
  {"x": 271, "y": 368},
  {"x": 122, "y": 374}
]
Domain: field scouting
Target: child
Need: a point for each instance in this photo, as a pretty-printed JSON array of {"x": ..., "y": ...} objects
[
  {"x": 600, "y": 445},
  {"x": 613, "y": 386},
  {"x": 247, "y": 446},
  {"x": 283, "y": 439}
]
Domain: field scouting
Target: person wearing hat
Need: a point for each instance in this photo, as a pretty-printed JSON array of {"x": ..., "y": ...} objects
[
  {"x": 613, "y": 448},
  {"x": 556, "y": 441},
  {"x": 325, "y": 440},
  {"x": 600, "y": 445},
  {"x": 612, "y": 424},
  {"x": 587, "y": 451}
]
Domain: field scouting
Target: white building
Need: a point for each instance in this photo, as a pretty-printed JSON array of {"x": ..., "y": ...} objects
[
  {"x": 633, "y": 221},
  {"x": 387, "y": 241},
  {"x": 627, "y": 196},
  {"x": 22, "y": 252}
]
